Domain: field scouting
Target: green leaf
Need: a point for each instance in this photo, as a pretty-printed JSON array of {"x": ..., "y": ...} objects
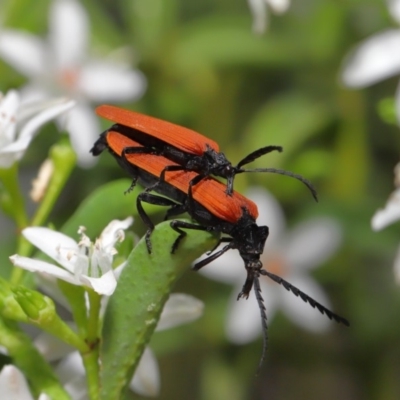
[
  {"x": 135, "y": 306},
  {"x": 224, "y": 41},
  {"x": 103, "y": 205},
  {"x": 287, "y": 121}
]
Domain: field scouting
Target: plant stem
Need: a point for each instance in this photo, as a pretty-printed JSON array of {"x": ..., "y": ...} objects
[{"x": 91, "y": 359}]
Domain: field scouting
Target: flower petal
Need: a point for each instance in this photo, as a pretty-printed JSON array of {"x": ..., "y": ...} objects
[
  {"x": 51, "y": 243},
  {"x": 48, "y": 114},
  {"x": 69, "y": 33},
  {"x": 25, "y": 52},
  {"x": 146, "y": 380},
  {"x": 375, "y": 59},
  {"x": 43, "y": 267},
  {"x": 243, "y": 322},
  {"x": 302, "y": 313},
  {"x": 14, "y": 151},
  {"x": 72, "y": 374},
  {"x": 111, "y": 233},
  {"x": 271, "y": 213},
  {"x": 311, "y": 243},
  {"x": 84, "y": 129},
  {"x": 279, "y": 6},
  {"x": 8, "y": 117},
  {"x": 179, "y": 309},
  {"x": 394, "y": 8},
  {"x": 13, "y": 384},
  {"x": 397, "y": 106},
  {"x": 105, "y": 285},
  {"x": 388, "y": 215},
  {"x": 228, "y": 268},
  {"x": 34, "y": 103},
  {"x": 101, "y": 82},
  {"x": 259, "y": 12},
  {"x": 396, "y": 267},
  {"x": 9, "y": 154}
]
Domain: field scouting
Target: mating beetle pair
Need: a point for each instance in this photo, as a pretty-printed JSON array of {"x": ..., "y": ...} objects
[{"x": 177, "y": 163}]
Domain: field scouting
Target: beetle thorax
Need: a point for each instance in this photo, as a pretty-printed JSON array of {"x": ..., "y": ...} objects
[{"x": 249, "y": 238}]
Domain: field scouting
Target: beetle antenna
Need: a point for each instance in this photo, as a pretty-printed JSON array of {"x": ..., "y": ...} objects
[
  {"x": 261, "y": 306},
  {"x": 307, "y": 299},
  {"x": 257, "y": 154},
  {"x": 306, "y": 182}
]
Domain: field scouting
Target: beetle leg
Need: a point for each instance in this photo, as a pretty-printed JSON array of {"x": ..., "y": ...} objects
[
  {"x": 207, "y": 260},
  {"x": 151, "y": 199},
  {"x": 178, "y": 225}
]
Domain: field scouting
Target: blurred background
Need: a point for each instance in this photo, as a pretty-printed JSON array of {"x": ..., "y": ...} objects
[{"x": 207, "y": 69}]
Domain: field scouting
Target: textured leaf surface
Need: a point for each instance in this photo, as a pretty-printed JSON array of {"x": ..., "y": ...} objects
[{"x": 135, "y": 306}]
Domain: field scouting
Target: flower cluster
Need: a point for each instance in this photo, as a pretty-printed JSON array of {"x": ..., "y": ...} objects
[
  {"x": 60, "y": 66},
  {"x": 376, "y": 58}
]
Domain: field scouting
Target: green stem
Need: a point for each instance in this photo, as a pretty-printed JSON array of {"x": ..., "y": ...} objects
[
  {"x": 76, "y": 299},
  {"x": 91, "y": 363},
  {"x": 24, "y": 248},
  {"x": 63, "y": 159},
  {"x": 12, "y": 200},
  {"x": 93, "y": 322},
  {"x": 26, "y": 357},
  {"x": 41, "y": 311},
  {"x": 91, "y": 359},
  {"x": 13, "y": 204}
]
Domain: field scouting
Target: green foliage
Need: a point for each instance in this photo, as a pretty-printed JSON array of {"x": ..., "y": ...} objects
[{"x": 208, "y": 71}]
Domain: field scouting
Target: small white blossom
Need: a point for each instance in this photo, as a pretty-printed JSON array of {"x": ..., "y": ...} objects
[
  {"x": 391, "y": 212},
  {"x": 389, "y": 215},
  {"x": 259, "y": 10},
  {"x": 61, "y": 65},
  {"x": 19, "y": 123},
  {"x": 83, "y": 263},
  {"x": 290, "y": 255},
  {"x": 376, "y": 58},
  {"x": 13, "y": 385}
]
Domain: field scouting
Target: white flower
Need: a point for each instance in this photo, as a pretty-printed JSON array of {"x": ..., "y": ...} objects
[
  {"x": 376, "y": 58},
  {"x": 259, "y": 10},
  {"x": 13, "y": 385},
  {"x": 62, "y": 65},
  {"x": 19, "y": 123},
  {"x": 390, "y": 214},
  {"x": 83, "y": 263},
  {"x": 179, "y": 309},
  {"x": 287, "y": 254}
]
